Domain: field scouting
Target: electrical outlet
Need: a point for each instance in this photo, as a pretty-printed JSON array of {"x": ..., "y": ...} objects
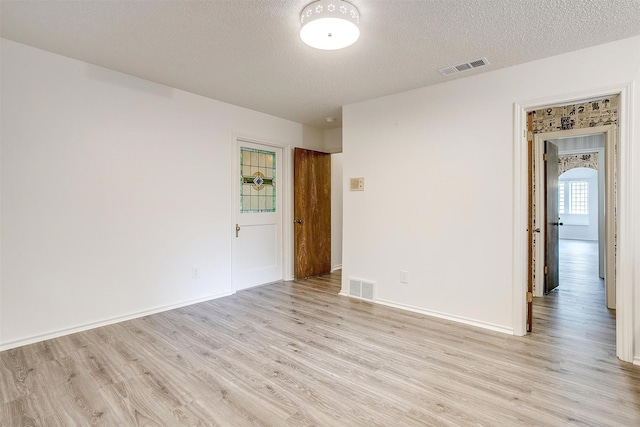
[
  {"x": 404, "y": 277},
  {"x": 195, "y": 272}
]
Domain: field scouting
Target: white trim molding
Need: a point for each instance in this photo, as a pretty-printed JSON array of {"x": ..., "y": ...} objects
[
  {"x": 625, "y": 297},
  {"x": 454, "y": 318}
]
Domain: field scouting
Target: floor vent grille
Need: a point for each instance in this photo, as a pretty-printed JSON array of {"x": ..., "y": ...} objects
[
  {"x": 481, "y": 62},
  {"x": 361, "y": 289}
]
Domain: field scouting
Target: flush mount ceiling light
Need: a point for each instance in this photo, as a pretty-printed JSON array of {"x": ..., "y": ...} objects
[{"x": 330, "y": 24}]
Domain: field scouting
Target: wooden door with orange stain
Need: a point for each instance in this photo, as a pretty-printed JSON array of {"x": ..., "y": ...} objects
[{"x": 312, "y": 213}]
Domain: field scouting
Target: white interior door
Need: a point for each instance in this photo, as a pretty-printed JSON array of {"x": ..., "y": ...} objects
[{"x": 258, "y": 214}]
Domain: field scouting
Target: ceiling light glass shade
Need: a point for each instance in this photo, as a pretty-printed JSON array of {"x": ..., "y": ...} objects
[{"x": 330, "y": 24}]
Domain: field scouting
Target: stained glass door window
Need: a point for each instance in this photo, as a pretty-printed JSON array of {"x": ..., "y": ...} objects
[{"x": 258, "y": 172}]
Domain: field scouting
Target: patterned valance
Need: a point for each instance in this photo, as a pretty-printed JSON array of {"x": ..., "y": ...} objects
[
  {"x": 576, "y": 116},
  {"x": 567, "y": 162}
]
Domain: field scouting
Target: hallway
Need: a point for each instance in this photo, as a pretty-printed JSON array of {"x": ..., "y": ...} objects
[{"x": 576, "y": 310}]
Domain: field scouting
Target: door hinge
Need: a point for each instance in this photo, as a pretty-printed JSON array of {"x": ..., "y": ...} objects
[
  {"x": 546, "y": 270},
  {"x": 529, "y": 297},
  {"x": 544, "y": 157}
]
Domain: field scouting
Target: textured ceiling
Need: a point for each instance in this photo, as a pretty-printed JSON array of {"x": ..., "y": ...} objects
[{"x": 249, "y": 53}]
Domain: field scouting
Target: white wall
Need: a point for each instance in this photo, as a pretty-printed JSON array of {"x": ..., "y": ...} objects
[
  {"x": 585, "y": 144},
  {"x": 336, "y": 211},
  {"x": 581, "y": 227},
  {"x": 113, "y": 187},
  {"x": 439, "y": 166},
  {"x": 333, "y": 144},
  {"x": 333, "y": 140}
]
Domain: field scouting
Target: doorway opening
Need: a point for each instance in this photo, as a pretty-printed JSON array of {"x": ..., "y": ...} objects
[
  {"x": 591, "y": 147},
  {"x": 580, "y": 304},
  {"x": 582, "y": 203},
  {"x": 522, "y": 228}
]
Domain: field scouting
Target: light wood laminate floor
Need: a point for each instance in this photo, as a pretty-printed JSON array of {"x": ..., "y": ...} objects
[{"x": 297, "y": 354}]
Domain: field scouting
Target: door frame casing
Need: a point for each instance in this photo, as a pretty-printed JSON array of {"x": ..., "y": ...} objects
[
  {"x": 287, "y": 216},
  {"x": 625, "y": 242},
  {"x": 609, "y": 132}
]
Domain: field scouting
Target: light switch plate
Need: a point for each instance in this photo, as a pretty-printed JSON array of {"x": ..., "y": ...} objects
[{"x": 356, "y": 184}]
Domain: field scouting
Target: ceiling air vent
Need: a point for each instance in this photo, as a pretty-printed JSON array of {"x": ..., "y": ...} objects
[{"x": 464, "y": 67}]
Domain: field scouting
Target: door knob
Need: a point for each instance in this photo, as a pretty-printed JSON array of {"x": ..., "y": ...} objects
[
  {"x": 298, "y": 221},
  {"x": 237, "y": 229}
]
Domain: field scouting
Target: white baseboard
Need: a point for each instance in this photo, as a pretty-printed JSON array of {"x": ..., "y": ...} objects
[
  {"x": 336, "y": 267},
  {"x": 67, "y": 331},
  {"x": 636, "y": 360},
  {"x": 459, "y": 319}
]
